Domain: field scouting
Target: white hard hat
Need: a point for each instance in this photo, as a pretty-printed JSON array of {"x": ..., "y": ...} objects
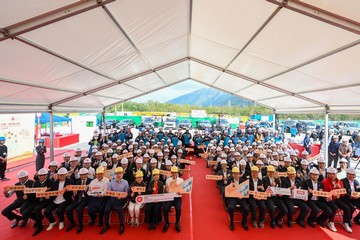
[
  {"x": 83, "y": 171},
  {"x": 262, "y": 156},
  {"x": 73, "y": 159},
  {"x": 66, "y": 155},
  {"x": 314, "y": 171},
  {"x": 124, "y": 161},
  {"x": 304, "y": 162},
  {"x": 350, "y": 171},
  {"x": 242, "y": 162},
  {"x": 259, "y": 162},
  {"x": 139, "y": 160},
  {"x": 287, "y": 159},
  {"x": 42, "y": 171},
  {"x": 274, "y": 163},
  {"x": 168, "y": 163},
  {"x": 173, "y": 156},
  {"x": 98, "y": 154},
  {"x": 304, "y": 153},
  {"x": 223, "y": 162},
  {"x": 160, "y": 154},
  {"x": 87, "y": 160},
  {"x": 22, "y": 174},
  {"x": 343, "y": 160},
  {"x": 321, "y": 160},
  {"x": 103, "y": 164},
  {"x": 62, "y": 171},
  {"x": 237, "y": 154},
  {"x": 331, "y": 170},
  {"x": 153, "y": 160},
  {"x": 115, "y": 155},
  {"x": 146, "y": 155},
  {"x": 223, "y": 155},
  {"x": 53, "y": 164}
]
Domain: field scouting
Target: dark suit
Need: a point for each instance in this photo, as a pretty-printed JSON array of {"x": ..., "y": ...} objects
[
  {"x": 39, "y": 203},
  {"x": 352, "y": 203},
  {"x": 153, "y": 210},
  {"x": 80, "y": 202},
  {"x": 236, "y": 201},
  {"x": 273, "y": 201},
  {"x": 59, "y": 208},
  {"x": 221, "y": 184},
  {"x": 304, "y": 209},
  {"x": 254, "y": 202},
  {"x": 318, "y": 204}
]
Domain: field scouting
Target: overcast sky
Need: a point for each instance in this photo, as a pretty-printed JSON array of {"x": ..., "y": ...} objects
[{"x": 171, "y": 92}]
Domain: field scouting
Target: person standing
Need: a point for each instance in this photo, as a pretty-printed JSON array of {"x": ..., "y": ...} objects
[
  {"x": 307, "y": 142},
  {"x": 40, "y": 157},
  {"x": 3, "y": 158},
  {"x": 333, "y": 150}
]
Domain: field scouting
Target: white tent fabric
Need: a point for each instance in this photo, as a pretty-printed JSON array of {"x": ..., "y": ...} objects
[{"x": 290, "y": 56}]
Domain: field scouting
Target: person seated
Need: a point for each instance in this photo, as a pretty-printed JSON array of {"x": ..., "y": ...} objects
[
  {"x": 153, "y": 210},
  {"x": 134, "y": 207}
]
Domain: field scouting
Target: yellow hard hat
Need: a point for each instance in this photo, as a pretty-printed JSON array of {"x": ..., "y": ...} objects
[
  {"x": 119, "y": 170},
  {"x": 235, "y": 170},
  {"x": 100, "y": 170},
  {"x": 156, "y": 171},
  {"x": 270, "y": 168},
  {"x": 174, "y": 169},
  {"x": 139, "y": 174},
  {"x": 291, "y": 170},
  {"x": 254, "y": 168}
]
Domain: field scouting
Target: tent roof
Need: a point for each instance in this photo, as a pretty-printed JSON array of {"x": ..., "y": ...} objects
[
  {"x": 290, "y": 56},
  {"x": 45, "y": 118}
]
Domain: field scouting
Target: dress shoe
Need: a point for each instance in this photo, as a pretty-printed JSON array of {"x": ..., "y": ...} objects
[
  {"x": 100, "y": 224},
  {"x": 104, "y": 229},
  {"x": 37, "y": 230},
  {"x": 311, "y": 224},
  {"x": 232, "y": 226},
  {"x": 23, "y": 223},
  {"x": 272, "y": 224},
  {"x": 357, "y": 221},
  {"x": 121, "y": 230},
  {"x": 79, "y": 230},
  {"x": 246, "y": 228},
  {"x": 71, "y": 226},
  {"x": 279, "y": 223},
  {"x": 15, "y": 223},
  {"x": 92, "y": 223},
  {"x": 178, "y": 227},
  {"x": 289, "y": 224},
  {"x": 321, "y": 224},
  {"x": 149, "y": 226},
  {"x": 154, "y": 226},
  {"x": 301, "y": 223},
  {"x": 166, "y": 227}
]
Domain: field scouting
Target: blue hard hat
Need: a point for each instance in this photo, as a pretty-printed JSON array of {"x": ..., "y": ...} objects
[
  {"x": 2, "y": 138},
  {"x": 41, "y": 141}
]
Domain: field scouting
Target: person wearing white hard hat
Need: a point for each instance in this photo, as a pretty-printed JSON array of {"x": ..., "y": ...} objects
[
  {"x": 81, "y": 200},
  {"x": 40, "y": 203},
  {"x": 97, "y": 201},
  {"x": 177, "y": 202},
  {"x": 117, "y": 203},
  {"x": 21, "y": 200},
  {"x": 87, "y": 165},
  {"x": 314, "y": 202},
  {"x": 221, "y": 184},
  {"x": 73, "y": 170},
  {"x": 65, "y": 163},
  {"x": 138, "y": 167},
  {"x": 335, "y": 202},
  {"x": 321, "y": 167},
  {"x": 345, "y": 150},
  {"x": 59, "y": 202},
  {"x": 343, "y": 165},
  {"x": 303, "y": 172},
  {"x": 352, "y": 185},
  {"x": 234, "y": 181}
]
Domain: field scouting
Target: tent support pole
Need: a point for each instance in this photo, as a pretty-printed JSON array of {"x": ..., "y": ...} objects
[
  {"x": 51, "y": 136},
  {"x": 274, "y": 121},
  {"x": 326, "y": 136},
  {"x": 104, "y": 121}
]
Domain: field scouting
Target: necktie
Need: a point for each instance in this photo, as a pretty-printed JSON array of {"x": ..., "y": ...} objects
[{"x": 81, "y": 192}]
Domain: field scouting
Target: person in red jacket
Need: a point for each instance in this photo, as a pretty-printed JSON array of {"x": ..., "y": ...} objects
[{"x": 336, "y": 201}]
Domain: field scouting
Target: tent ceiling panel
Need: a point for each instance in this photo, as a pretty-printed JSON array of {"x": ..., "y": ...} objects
[
  {"x": 175, "y": 73},
  {"x": 291, "y": 39},
  {"x": 336, "y": 97},
  {"x": 168, "y": 51},
  {"x": 348, "y": 8},
  {"x": 20, "y": 10},
  {"x": 295, "y": 81},
  {"x": 288, "y": 102},
  {"x": 210, "y": 51},
  {"x": 147, "y": 83},
  {"x": 203, "y": 73},
  {"x": 255, "y": 67},
  {"x": 257, "y": 92},
  {"x": 150, "y": 23},
  {"x": 212, "y": 20},
  {"x": 24, "y": 63},
  {"x": 121, "y": 91},
  {"x": 231, "y": 83},
  {"x": 341, "y": 68},
  {"x": 36, "y": 95},
  {"x": 11, "y": 89},
  {"x": 88, "y": 101},
  {"x": 75, "y": 38}
]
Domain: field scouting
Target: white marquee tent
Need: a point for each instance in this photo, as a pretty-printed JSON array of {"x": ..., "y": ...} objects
[{"x": 290, "y": 56}]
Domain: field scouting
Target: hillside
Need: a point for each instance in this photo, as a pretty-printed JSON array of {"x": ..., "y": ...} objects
[{"x": 209, "y": 97}]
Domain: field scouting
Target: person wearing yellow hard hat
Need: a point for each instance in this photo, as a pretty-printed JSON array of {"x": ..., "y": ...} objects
[
  {"x": 292, "y": 183},
  {"x": 117, "y": 203},
  {"x": 256, "y": 184},
  {"x": 175, "y": 179},
  {"x": 235, "y": 180},
  {"x": 80, "y": 202},
  {"x": 271, "y": 181},
  {"x": 153, "y": 210},
  {"x": 134, "y": 207},
  {"x": 97, "y": 200}
]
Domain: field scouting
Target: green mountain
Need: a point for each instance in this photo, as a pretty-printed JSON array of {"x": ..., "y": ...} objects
[{"x": 205, "y": 97}]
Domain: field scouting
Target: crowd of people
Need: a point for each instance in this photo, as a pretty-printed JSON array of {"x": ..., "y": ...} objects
[{"x": 255, "y": 154}]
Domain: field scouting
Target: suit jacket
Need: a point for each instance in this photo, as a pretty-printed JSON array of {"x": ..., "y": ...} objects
[
  {"x": 67, "y": 194},
  {"x": 346, "y": 183},
  {"x": 309, "y": 184},
  {"x": 266, "y": 181},
  {"x": 228, "y": 175},
  {"x": 251, "y": 185},
  {"x": 78, "y": 182},
  {"x": 149, "y": 189},
  {"x": 285, "y": 183},
  {"x": 20, "y": 194},
  {"x": 47, "y": 183}
]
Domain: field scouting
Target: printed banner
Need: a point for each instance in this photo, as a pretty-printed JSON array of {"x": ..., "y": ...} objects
[
  {"x": 115, "y": 194},
  {"x": 164, "y": 197},
  {"x": 240, "y": 191},
  {"x": 184, "y": 170},
  {"x": 165, "y": 173},
  {"x": 76, "y": 187},
  {"x": 19, "y": 131},
  {"x": 34, "y": 190},
  {"x": 15, "y": 188},
  {"x": 187, "y": 161},
  {"x": 259, "y": 195},
  {"x": 212, "y": 162},
  {"x": 50, "y": 193},
  {"x": 281, "y": 174},
  {"x": 299, "y": 194},
  {"x": 201, "y": 146},
  {"x": 204, "y": 155},
  {"x": 355, "y": 194},
  {"x": 185, "y": 187},
  {"x": 125, "y": 155},
  {"x": 280, "y": 191},
  {"x": 321, "y": 193},
  {"x": 138, "y": 189},
  {"x": 189, "y": 149},
  {"x": 338, "y": 191},
  {"x": 213, "y": 177}
]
